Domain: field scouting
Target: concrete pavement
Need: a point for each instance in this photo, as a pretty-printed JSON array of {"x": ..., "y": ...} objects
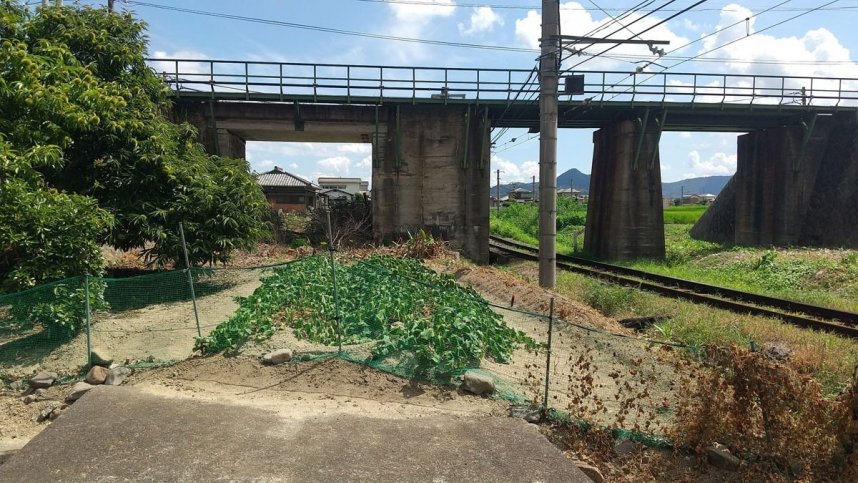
[{"x": 125, "y": 434}]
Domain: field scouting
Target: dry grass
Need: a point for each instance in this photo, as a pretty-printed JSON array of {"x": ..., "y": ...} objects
[{"x": 828, "y": 358}]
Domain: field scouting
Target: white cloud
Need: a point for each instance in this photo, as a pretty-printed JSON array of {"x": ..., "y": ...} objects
[
  {"x": 483, "y": 19},
  {"x": 422, "y": 10},
  {"x": 338, "y": 164},
  {"x": 515, "y": 173},
  {"x": 717, "y": 164},
  {"x": 576, "y": 20},
  {"x": 412, "y": 21},
  {"x": 169, "y": 66},
  {"x": 796, "y": 55}
]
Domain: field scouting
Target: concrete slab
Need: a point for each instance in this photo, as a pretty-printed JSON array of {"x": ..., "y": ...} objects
[{"x": 125, "y": 434}]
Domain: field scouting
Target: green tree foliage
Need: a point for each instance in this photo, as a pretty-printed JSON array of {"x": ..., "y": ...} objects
[{"x": 83, "y": 130}]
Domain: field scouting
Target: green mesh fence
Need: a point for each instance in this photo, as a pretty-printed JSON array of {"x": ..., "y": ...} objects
[{"x": 592, "y": 377}]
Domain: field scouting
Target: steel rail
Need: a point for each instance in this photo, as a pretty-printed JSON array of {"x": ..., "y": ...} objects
[{"x": 797, "y": 313}]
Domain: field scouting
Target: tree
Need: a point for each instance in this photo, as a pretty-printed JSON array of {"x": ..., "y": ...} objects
[{"x": 83, "y": 124}]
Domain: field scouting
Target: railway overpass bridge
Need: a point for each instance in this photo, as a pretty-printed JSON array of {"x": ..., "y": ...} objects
[{"x": 430, "y": 130}]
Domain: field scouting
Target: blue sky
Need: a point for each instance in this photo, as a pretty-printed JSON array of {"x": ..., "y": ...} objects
[{"x": 819, "y": 43}]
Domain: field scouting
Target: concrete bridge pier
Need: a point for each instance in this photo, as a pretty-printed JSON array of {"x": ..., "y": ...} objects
[
  {"x": 625, "y": 217},
  {"x": 432, "y": 173},
  {"x": 794, "y": 185}
]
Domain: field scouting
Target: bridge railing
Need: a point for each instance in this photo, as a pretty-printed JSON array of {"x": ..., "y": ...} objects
[{"x": 283, "y": 81}]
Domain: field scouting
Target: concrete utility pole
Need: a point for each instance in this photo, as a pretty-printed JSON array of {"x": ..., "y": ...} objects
[
  {"x": 497, "y": 192},
  {"x": 533, "y": 188},
  {"x": 110, "y": 5},
  {"x": 548, "y": 65}
]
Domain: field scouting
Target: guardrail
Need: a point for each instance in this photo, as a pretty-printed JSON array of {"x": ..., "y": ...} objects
[{"x": 286, "y": 81}]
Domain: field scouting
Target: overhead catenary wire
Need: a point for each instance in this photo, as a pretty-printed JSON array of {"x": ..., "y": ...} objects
[
  {"x": 581, "y": 8},
  {"x": 777, "y": 24},
  {"x": 330, "y": 30},
  {"x": 669, "y": 18}
]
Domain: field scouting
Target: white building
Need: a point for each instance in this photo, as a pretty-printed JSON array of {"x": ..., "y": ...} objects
[{"x": 351, "y": 186}]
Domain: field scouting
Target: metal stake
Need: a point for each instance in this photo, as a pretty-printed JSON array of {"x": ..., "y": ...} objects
[
  {"x": 548, "y": 357},
  {"x": 331, "y": 250},
  {"x": 190, "y": 279},
  {"x": 88, "y": 331}
]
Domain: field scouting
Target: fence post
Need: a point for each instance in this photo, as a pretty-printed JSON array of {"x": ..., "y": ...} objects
[
  {"x": 88, "y": 331},
  {"x": 548, "y": 357},
  {"x": 190, "y": 279},
  {"x": 331, "y": 250}
]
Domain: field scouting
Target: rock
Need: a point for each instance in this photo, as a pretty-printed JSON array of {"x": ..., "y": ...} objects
[
  {"x": 18, "y": 385},
  {"x": 478, "y": 384},
  {"x": 720, "y": 457},
  {"x": 277, "y": 357},
  {"x": 96, "y": 375},
  {"x": 45, "y": 414},
  {"x": 30, "y": 399},
  {"x": 101, "y": 358},
  {"x": 77, "y": 391},
  {"x": 42, "y": 379},
  {"x": 117, "y": 376},
  {"x": 777, "y": 351},
  {"x": 625, "y": 446},
  {"x": 591, "y": 471},
  {"x": 54, "y": 415},
  {"x": 525, "y": 412}
]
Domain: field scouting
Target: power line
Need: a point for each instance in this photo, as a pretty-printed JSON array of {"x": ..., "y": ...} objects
[
  {"x": 330, "y": 30},
  {"x": 669, "y": 18},
  {"x": 587, "y": 9},
  {"x": 728, "y": 43}
]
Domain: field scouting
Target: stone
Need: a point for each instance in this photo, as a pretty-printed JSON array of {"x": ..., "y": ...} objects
[
  {"x": 478, "y": 384},
  {"x": 277, "y": 357},
  {"x": 117, "y": 376},
  {"x": 720, "y": 457},
  {"x": 54, "y": 415},
  {"x": 42, "y": 379},
  {"x": 77, "y": 391},
  {"x": 591, "y": 471},
  {"x": 625, "y": 446},
  {"x": 45, "y": 414},
  {"x": 29, "y": 399},
  {"x": 96, "y": 375},
  {"x": 101, "y": 358},
  {"x": 18, "y": 385},
  {"x": 777, "y": 351},
  {"x": 525, "y": 412}
]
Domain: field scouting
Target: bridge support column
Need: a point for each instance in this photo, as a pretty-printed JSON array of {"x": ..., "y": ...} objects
[
  {"x": 794, "y": 185},
  {"x": 625, "y": 217},
  {"x": 433, "y": 174}
]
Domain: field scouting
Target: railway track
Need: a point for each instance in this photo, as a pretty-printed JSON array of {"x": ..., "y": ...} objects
[{"x": 801, "y": 314}]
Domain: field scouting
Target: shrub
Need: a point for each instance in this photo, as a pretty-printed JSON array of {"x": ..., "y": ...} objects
[{"x": 62, "y": 310}]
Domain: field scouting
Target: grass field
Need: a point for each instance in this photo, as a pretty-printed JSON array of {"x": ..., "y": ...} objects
[
  {"x": 683, "y": 215},
  {"x": 827, "y": 277}
]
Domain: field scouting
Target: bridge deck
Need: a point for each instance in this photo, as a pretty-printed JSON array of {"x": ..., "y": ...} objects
[{"x": 689, "y": 101}]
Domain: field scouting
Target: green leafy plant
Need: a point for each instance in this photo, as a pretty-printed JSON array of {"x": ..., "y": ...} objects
[{"x": 418, "y": 317}]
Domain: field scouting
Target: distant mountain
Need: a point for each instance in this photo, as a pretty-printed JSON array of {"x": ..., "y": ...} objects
[
  {"x": 581, "y": 181},
  {"x": 698, "y": 186}
]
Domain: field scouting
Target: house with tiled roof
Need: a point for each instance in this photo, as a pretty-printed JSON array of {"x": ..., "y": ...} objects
[{"x": 286, "y": 191}]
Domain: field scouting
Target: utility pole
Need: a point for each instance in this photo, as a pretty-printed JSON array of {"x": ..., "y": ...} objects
[
  {"x": 533, "y": 188},
  {"x": 552, "y": 44},
  {"x": 497, "y": 192},
  {"x": 110, "y": 5},
  {"x": 682, "y": 195},
  {"x": 548, "y": 65}
]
